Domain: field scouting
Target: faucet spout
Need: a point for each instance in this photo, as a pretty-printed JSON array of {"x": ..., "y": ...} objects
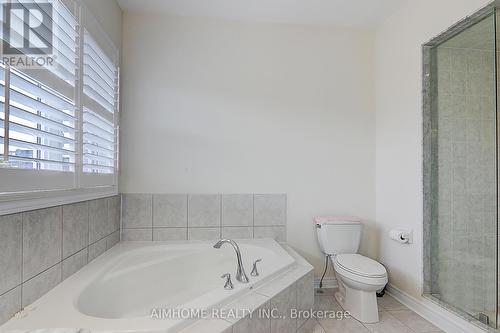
[{"x": 240, "y": 272}]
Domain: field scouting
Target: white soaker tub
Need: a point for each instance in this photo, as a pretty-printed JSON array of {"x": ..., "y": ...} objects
[{"x": 120, "y": 289}]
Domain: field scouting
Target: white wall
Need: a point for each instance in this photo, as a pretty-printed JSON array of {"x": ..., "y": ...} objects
[
  {"x": 399, "y": 129},
  {"x": 109, "y": 15},
  {"x": 212, "y": 106}
]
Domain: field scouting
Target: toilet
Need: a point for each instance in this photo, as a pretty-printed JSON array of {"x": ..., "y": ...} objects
[{"x": 359, "y": 277}]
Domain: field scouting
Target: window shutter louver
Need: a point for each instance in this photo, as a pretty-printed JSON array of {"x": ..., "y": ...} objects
[
  {"x": 41, "y": 126},
  {"x": 99, "y": 109},
  {"x": 59, "y": 124}
]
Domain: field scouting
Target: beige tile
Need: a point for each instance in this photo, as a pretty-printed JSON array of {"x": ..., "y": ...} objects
[
  {"x": 41, "y": 284},
  {"x": 414, "y": 321},
  {"x": 269, "y": 209},
  {"x": 388, "y": 324},
  {"x": 114, "y": 213},
  {"x": 237, "y": 210},
  {"x": 137, "y": 234},
  {"x": 10, "y": 303},
  {"x": 204, "y": 210},
  {"x": 277, "y": 233},
  {"x": 98, "y": 219},
  {"x": 112, "y": 239},
  {"x": 137, "y": 210},
  {"x": 325, "y": 291},
  {"x": 74, "y": 263},
  {"x": 284, "y": 302},
  {"x": 255, "y": 323},
  {"x": 42, "y": 240},
  {"x": 75, "y": 228},
  {"x": 10, "y": 251},
  {"x": 305, "y": 294},
  {"x": 311, "y": 326},
  {"x": 203, "y": 233},
  {"x": 343, "y": 325},
  {"x": 169, "y": 234},
  {"x": 96, "y": 249},
  {"x": 389, "y": 303},
  {"x": 170, "y": 210},
  {"x": 237, "y": 232},
  {"x": 326, "y": 303}
]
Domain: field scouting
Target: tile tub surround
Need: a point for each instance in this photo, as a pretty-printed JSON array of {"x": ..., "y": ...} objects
[
  {"x": 294, "y": 289},
  {"x": 165, "y": 217},
  {"x": 394, "y": 316},
  {"x": 40, "y": 248}
]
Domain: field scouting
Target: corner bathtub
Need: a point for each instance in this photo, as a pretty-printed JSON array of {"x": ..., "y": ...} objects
[{"x": 119, "y": 290}]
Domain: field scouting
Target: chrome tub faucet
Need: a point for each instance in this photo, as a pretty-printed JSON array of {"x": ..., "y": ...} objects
[
  {"x": 240, "y": 273},
  {"x": 229, "y": 284},
  {"x": 255, "y": 272}
]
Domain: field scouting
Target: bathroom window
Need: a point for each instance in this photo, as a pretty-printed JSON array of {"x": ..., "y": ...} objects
[
  {"x": 59, "y": 123},
  {"x": 100, "y": 99},
  {"x": 41, "y": 125}
]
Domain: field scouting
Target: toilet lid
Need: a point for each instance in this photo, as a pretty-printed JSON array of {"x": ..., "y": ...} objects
[{"x": 360, "y": 265}]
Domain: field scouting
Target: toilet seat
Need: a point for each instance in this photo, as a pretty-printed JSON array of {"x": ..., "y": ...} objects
[
  {"x": 361, "y": 265},
  {"x": 358, "y": 268}
]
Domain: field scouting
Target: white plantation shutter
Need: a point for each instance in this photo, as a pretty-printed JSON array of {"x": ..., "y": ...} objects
[
  {"x": 98, "y": 144},
  {"x": 41, "y": 126},
  {"x": 61, "y": 128},
  {"x": 63, "y": 34},
  {"x": 99, "y": 74},
  {"x": 100, "y": 82},
  {"x": 42, "y": 113}
]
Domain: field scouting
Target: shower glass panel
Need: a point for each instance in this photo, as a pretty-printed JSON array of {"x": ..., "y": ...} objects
[{"x": 463, "y": 172}]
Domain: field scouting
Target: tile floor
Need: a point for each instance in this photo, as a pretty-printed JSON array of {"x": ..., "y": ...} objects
[{"x": 394, "y": 318}]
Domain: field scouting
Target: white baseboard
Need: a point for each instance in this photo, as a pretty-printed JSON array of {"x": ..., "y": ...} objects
[
  {"x": 439, "y": 316},
  {"x": 328, "y": 282}
]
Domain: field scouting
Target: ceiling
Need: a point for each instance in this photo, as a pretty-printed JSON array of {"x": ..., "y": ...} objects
[{"x": 364, "y": 14}]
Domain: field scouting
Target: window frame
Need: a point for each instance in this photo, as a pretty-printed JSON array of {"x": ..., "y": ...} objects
[{"x": 28, "y": 189}]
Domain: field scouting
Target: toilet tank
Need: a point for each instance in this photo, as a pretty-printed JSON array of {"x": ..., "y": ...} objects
[{"x": 338, "y": 235}]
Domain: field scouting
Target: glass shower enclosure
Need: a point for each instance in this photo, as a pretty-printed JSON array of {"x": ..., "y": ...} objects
[{"x": 461, "y": 158}]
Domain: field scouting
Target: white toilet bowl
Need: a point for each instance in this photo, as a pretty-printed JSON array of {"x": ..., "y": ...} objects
[{"x": 359, "y": 279}]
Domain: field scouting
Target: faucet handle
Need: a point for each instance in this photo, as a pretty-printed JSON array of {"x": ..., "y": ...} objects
[
  {"x": 229, "y": 284},
  {"x": 254, "y": 269}
]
